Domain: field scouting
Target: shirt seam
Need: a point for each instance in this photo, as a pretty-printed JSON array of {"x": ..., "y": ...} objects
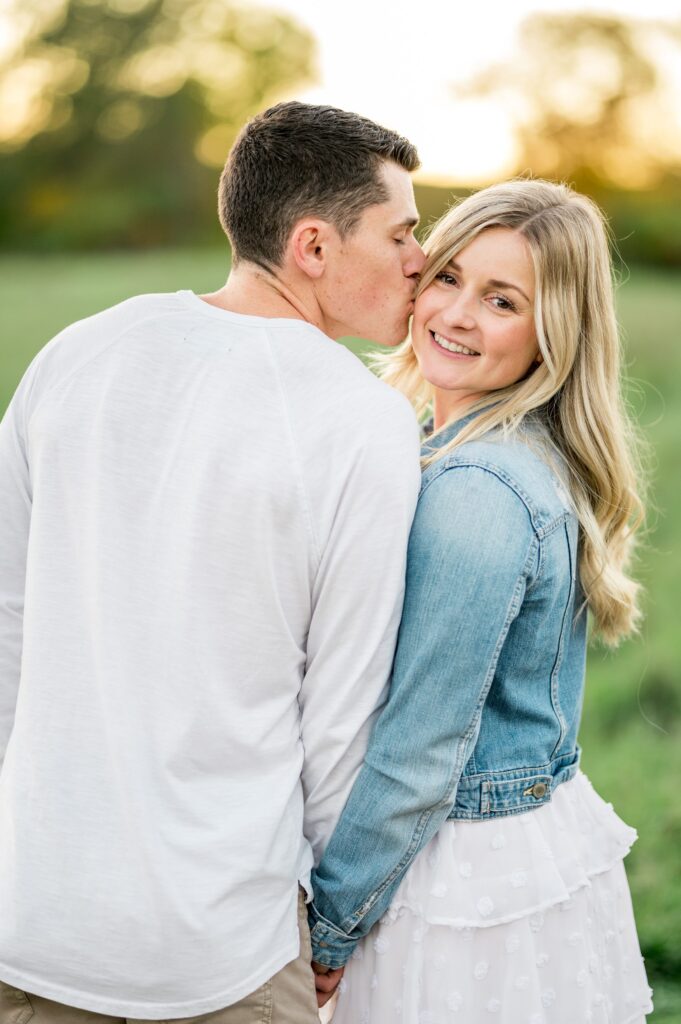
[
  {"x": 87, "y": 361},
  {"x": 505, "y": 478},
  {"x": 555, "y": 703},
  {"x": 307, "y": 514}
]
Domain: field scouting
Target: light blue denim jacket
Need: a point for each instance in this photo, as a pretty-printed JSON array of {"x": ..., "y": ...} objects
[{"x": 487, "y": 684}]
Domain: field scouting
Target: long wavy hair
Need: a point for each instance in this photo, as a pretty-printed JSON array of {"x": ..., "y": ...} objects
[{"x": 575, "y": 391}]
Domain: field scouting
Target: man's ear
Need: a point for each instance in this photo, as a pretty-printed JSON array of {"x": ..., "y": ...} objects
[{"x": 309, "y": 246}]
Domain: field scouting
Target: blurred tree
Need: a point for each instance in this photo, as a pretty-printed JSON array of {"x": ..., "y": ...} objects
[
  {"x": 591, "y": 100},
  {"x": 115, "y": 114}
]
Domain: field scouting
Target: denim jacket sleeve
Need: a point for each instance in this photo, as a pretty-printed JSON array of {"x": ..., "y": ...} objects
[{"x": 472, "y": 553}]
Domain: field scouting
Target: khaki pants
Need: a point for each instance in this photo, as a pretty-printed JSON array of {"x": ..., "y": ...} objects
[{"x": 287, "y": 998}]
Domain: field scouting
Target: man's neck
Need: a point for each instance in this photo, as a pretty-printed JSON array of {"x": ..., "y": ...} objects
[{"x": 252, "y": 291}]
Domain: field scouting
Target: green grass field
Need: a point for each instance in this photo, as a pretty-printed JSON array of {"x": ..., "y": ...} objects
[{"x": 631, "y": 733}]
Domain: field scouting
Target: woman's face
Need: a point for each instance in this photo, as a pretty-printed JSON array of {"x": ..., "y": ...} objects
[{"x": 473, "y": 328}]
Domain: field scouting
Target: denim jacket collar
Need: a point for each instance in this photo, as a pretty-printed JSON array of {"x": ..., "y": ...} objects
[{"x": 445, "y": 434}]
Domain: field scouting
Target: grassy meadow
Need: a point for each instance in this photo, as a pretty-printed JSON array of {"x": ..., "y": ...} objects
[{"x": 631, "y": 732}]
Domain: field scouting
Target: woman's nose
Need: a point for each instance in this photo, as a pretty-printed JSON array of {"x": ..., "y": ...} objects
[{"x": 460, "y": 311}]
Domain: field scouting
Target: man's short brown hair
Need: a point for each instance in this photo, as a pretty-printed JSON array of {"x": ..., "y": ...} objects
[{"x": 297, "y": 160}]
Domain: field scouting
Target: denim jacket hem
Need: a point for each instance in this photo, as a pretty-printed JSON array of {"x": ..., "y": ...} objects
[{"x": 497, "y": 794}]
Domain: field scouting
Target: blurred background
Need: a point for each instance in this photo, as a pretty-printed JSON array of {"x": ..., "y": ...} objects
[{"x": 117, "y": 115}]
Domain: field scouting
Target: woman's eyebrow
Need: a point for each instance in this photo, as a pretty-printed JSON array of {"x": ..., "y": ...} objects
[{"x": 507, "y": 284}]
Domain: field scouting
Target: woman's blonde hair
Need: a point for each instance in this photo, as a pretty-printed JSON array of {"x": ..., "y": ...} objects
[{"x": 575, "y": 390}]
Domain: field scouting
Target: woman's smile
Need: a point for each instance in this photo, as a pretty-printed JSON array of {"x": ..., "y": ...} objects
[{"x": 452, "y": 347}]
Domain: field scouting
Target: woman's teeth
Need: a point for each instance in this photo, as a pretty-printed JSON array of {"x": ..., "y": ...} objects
[{"x": 452, "y": 347}]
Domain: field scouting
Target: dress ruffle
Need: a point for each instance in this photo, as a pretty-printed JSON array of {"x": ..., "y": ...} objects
[
  {"x": 477, "y": 874},
  {"x": 522, "y": 919}
]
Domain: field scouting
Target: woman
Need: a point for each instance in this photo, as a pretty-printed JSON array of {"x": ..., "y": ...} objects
[{"x": 491, "y": 869}]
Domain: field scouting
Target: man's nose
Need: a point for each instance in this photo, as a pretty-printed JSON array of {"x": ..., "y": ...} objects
[{"x": 417, "y": 258}]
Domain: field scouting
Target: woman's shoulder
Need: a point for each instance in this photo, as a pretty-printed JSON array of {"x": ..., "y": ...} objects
[{"x": 522, "y": 464}]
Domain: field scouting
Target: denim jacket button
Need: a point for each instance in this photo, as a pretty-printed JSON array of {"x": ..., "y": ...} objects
[{"x": 539, "y": 790}]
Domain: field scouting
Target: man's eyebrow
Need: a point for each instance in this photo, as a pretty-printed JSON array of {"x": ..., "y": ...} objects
[
  {"x": 408, "y": 222},
  {"x": 495, "y": 283}
]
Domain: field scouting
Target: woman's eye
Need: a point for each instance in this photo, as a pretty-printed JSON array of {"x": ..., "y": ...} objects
[
  {"x": 400, "y": 241},
  {"x": 503, "y": 303},
  {"x": 445, "y": 277}
]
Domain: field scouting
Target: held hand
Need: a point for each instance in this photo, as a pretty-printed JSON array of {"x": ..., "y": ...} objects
[{"x": 326, "y": 981}]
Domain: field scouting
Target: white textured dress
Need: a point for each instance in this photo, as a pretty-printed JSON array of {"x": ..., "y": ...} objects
[{"x": 524, "y": 919}]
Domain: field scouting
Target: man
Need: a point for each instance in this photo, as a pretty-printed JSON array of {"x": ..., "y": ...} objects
[{"x": 205, "y": 510}]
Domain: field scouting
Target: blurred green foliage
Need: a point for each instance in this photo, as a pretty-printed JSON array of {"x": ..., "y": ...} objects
[
  {"x": 116, "y": 115},
  {"x": 124, "y": 109},
  {"x": 646, "y": 225}
]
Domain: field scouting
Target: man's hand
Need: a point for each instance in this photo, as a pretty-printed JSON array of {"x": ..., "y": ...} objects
[{"x": 326, "y": 981}]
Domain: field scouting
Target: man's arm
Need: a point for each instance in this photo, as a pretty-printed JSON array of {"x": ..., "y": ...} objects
[
  {"x": 357, "y": 603},
  {"x": 471, "y": 552},
  {"x": 15, "y": 517}
]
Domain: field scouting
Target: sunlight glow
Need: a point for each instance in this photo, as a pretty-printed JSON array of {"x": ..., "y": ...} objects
[{"x": 403, "y": 68}]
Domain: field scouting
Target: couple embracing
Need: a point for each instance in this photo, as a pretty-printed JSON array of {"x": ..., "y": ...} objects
[{"x": 280, "y": 703}]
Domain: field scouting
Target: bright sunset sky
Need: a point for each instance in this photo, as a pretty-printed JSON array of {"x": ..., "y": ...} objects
[{"x": 397, "y": 62}]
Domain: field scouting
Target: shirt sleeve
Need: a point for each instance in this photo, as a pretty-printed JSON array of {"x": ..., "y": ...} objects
[
  {"x": 15, "y": 502},
  {"x": 471, "y": 553},
  {"x": 356, "y": 609}
]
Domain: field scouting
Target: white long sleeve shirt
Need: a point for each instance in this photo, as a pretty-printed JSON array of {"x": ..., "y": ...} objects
[{"x": 203, "y": 528}]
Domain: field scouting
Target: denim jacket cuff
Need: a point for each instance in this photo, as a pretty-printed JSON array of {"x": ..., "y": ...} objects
[{"x": 330, "y": 946}]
